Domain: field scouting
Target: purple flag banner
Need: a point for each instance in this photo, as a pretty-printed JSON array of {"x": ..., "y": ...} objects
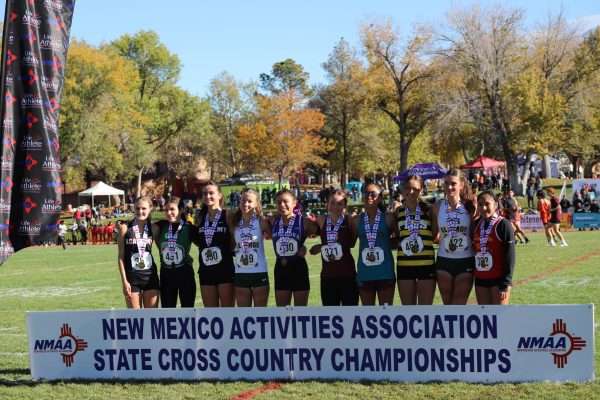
[{"x": 34, "y": 54}]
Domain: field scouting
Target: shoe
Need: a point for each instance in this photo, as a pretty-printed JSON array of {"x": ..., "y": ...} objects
[
  {"x": 551, "y": 243},
  {"x": 526, "y": 240},
  {"x": 563, "y": 244}
]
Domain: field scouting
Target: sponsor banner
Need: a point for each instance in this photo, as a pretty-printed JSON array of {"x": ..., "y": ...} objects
[
  {"x": 586, "y": 220},
  {"x": 428, "y": 343},
  {"x": 531, "y": 222},
  {"x": 35, "y": 42}
]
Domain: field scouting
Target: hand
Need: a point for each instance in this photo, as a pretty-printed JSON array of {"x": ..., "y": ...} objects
[
  {"x": 302, "y": 251},
  {"x": 316, "y": 249},
  {"x": 127, "y": 290}
]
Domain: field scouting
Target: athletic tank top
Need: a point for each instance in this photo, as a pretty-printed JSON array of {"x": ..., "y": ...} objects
[
  {"x": 253, "y": 259},
  {"x": 486, "y": 268},
  {"x": 377, "y": 263},
  {"x": 415, "y": 252},
  {"x": 287, "y": 247},
  {"x": 459, "y": 245},
  {"x": 337, "y": 258},
  {"x": 218, "y": 254},
  {"x": 132, "y": 260},
  {"x": 179, "y": 256}
]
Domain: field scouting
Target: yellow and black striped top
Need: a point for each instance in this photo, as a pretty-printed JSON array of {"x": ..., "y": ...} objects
[{"x": 408, "y": 255}]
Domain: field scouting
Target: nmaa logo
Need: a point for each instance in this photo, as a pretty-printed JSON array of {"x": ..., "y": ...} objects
[
  {"x": 559, "y": 343},
  {"x": 67, "y": 345}
]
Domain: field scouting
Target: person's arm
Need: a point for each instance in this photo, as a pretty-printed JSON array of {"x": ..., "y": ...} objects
[
  {"x": 354, "y": 229},
  {"x": 156, "y": 234},
  {"x": 393, "y": 230},
  {"x": 120, "y": 260},
  {"x": 435, "y": 229},
  {"x": 505, "y": 232},
  {"x": 316, "y": 249},
  {"x": 266, "y": 227},
  {"x": 311, "y": 228}
]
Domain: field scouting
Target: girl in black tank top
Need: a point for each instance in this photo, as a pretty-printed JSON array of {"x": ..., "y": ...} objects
[
  {"x": 136, "y": 265},
  {"x": 213, "y": 237}
]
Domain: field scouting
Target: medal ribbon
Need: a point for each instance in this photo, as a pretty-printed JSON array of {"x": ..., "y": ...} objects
[
  {"x": 141, "y": 240},
  {"x": 246, "y": 233},
  {"x": 285, "y": 237},
  {"x": 211, "y": 228},
  {"x": 413, "y": 223},
  {"x": 172, "y": 238},
  {"x": 332, "y": 234},
  {"x": 371, "y": 231},
  {"x": 453, "y": 218},
  {"x": 484, "y": 234}
]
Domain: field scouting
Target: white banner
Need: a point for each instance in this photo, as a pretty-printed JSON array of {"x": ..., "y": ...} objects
[
  {"x": 531, "y": 222},
  {"x": 425, "y": 343}
]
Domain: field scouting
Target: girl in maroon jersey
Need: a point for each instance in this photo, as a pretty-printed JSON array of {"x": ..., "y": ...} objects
[{"x": 494, "y": 244}]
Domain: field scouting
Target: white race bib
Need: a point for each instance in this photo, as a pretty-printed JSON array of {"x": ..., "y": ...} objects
[
  {"x": 457, "y": 243},
  {"x": 211, "y": 256},
  {"x": 483, "y": 261},
  {"x": 246, "y": 259},
  {"x": 371, "y": 257},
  {"x": 287, "y": 249},
  {"x": 331, "y": 252},
  {"x": 141, "y": 264},
  {"x": 411, "y": 246},
  {"x": 172, "y": 257}
]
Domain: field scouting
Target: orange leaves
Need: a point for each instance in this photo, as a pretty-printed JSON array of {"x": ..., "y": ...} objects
[{"x": 283, "y": 134}]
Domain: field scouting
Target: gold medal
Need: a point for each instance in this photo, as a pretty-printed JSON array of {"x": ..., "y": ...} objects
[
  {"x": 414, "y": 246},
  {"x": 331, "y": 257},
  {"x": 371, "y": 257},
  {"x": 245, "y": 260},
  {"x": 141, "y": 264},
  {"x": 452, "y": 246}
]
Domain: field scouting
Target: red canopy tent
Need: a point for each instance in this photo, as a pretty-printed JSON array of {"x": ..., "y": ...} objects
[{"x": 482, "y": 162}]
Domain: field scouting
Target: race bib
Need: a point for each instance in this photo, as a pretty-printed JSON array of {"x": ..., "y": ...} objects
[
  {"x": 211, "y": 256},
  {"x": 331, "y": 252},
  {"x": 371, "y": 257},
  {"x": 411, "y": 246},
  {"x": 483, "y": 261},
  {"x": 141, "y": 264},
  {"x": 172, "y": 257},
  {"x": 246, "y": 259},
  {"x": 287, "y": 248},
  {"x": 457, "y": 243}
]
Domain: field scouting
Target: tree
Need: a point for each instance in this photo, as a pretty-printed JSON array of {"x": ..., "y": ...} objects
[
  {"x": 396, "y": 81},
  {"x": 283, "y": 136},
  {"x": 155, "y": 64},
  {"x": 286, "y": 76},
  {"x": 102, "y": 81},
  {"x": 487, "y": 47},
  {"x": 343, "y": 100},
  {"x": 228, "y": 110}
]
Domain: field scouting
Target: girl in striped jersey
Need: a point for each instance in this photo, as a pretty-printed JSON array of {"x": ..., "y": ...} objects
[
  {"x": 494, "y": 244},
  {"x": 415, "y": 265}
]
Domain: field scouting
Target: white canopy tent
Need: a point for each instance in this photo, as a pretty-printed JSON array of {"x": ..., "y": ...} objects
[{"x": 102, "y": 189}]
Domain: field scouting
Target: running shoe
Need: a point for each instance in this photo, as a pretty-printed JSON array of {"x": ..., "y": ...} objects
[
  {"x": 526, "y": 240},
  {"x": 564, "y": 244}
]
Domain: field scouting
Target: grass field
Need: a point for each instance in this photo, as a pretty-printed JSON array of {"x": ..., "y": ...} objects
[{"x": 86, "y": 277}]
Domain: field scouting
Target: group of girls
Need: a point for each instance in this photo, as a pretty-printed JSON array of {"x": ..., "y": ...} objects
[{"x": 476, "y": 245}]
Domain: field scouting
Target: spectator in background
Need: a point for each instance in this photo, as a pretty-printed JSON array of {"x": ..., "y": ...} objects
[
  {"x": 77, "y": 215},
  {"x": 530, "y": 191},
  {"x": 62, "y": 230},
  {"x": 565, "y": 204},
  {"x": 594, "y": 207},
  {"x": 73, "y": 229},
  {"x": 83, "y": 230},
  {"x": 585, "y": 197}
]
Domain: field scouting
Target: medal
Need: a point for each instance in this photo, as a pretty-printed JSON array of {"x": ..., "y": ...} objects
[
  {"x": 452, "y": 246},
  {"x": 244, "y": 259},
  {"x": 141, "y": 241},
  {"x": 371, "y": 257},
  {"x": 371, "y": 231},
  {"x": 484, "y": 234},
  {"x": 414, "y": 246},
  {"x": 210, "y": 229},
  {"x": 285, "y": 236},
  {"x": 246, "y": 233},
  {"x": 453, "y": 220},
  {"x": 172, "y": 238},
  {"x": 331, "y": 257}
]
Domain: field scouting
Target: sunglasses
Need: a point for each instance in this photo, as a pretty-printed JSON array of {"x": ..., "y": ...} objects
[{"x": 371, "y": 194}]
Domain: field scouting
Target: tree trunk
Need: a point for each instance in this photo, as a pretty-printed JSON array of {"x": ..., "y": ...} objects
[
  {"x": 139, "y": 182},
  {"x": 345, "y": 163}
]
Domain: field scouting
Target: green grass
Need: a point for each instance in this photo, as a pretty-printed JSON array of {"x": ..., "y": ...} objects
[{"x": 86, "y": 277}]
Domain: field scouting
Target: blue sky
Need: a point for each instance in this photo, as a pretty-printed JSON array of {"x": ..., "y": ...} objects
[{"x": 247, "y": 37}]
